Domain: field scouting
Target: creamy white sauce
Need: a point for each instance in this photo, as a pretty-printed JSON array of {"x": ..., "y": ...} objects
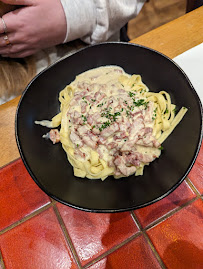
[{"x": 104, "y": 115}]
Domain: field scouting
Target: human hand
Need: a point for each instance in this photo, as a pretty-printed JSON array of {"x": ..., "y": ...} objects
[{"x": 37, "y": 24}]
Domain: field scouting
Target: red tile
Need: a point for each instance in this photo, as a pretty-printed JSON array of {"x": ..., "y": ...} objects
[
  {"x": 20, "y": 196},
  {"x": 179, "y": 239},
  {"x": 37, "y": 243},
  {"x": 94, "y": 233},
  {"x": 196, "y": 174},
  {"x": 136, "y": 254},
  {"x": 181, "y": 195}
]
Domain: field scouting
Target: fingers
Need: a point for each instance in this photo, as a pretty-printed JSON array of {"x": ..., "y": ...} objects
[
  {"x": 18, "y": 2},
  {"x": 21, "y": 54},
  {"x": 5, "y": 20},
  {"x": 3, "y": 28},
  {"x": 6, "y": 39},
  {"x": 11, "y": 49},
  {"x": 9, "y": 22},
  {"x": 6, "y": 23}
]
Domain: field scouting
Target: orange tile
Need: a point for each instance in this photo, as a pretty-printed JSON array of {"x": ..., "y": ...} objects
[
  {"x": 94, "y": 233},
  {"x": 196, "y": 174},
  {"x": 136, "y": 254},
  {"x": 20, "y": 196},
  {"x": 181, "y": 195},
  {"x": 179, "y": 239},
  {"x": 37, "y": 243}
]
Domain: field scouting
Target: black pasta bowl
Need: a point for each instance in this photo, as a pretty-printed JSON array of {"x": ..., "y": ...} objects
[{"x": 47, "y": 163}]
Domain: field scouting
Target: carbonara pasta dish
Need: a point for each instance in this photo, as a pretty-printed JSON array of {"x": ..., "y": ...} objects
[{"x": 111, "y": 124}]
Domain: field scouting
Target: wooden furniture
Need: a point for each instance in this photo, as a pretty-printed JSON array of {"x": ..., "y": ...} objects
[
  {"x": 171, "y": 39},
  {"x": 192, "y": 4}
]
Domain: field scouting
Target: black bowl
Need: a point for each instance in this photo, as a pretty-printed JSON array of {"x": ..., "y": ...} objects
[{"x": 47, "y": 163}]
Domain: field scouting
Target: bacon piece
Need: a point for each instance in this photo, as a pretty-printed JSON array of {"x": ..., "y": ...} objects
[
  {"x": 83, "y": 107},
  {"x": 132, "y": 159},
  {"x": 79, "y": 153},
  {"x": 95, "y": 131},
  {"x": 90, "y": 120},
  {"x": 111, "y": 145},
  {"x": 83, "y": 85},
  {"x": 76, "y": 139},
  {"x": 128, "y": 146},
  {"x": 82, "y": 130},
  {"x": 117, "y": 70},
  {"x": 121, "y": 166},
  {"x": 145, "y": 158},
  {"x": 54, "y": 136},
  {"x": 110, "y": 130},
  {"x": 102, "y": 140},
  {"x": 99, "y": 96},
  {"x": 96, "y": 117},
  {"x": 75, "y": 117},
  {"x": 93, "y": 137},
  {"x": 89, "y": 142},
  {"x": 135, "y": 128},
  {"x": 147, "y": 139}
]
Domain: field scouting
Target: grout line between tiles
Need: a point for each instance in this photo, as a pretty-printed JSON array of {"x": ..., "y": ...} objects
[
  {"x": 161, "y": 263},
  {"x": 169, "y": 214},
  {"x": 136, "y": 221},
  {"x": 24, "y": 219},
  {"x": 67, "y": 236},
  {"x": 105, "y": 254},
  {"x": 2, "y": 261},
  {"x": 192, "y": 186}
]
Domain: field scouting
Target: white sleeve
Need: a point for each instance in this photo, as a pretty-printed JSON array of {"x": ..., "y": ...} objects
[{"x": 96, "y": 21}]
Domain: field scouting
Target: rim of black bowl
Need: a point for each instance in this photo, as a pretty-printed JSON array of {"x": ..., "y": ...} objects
[{"x": 121, "y": 209}]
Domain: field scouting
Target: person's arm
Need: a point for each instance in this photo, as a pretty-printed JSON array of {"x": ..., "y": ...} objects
[
  {"x": 39, "y": 24},
  {"x": 96, "y": 21}
]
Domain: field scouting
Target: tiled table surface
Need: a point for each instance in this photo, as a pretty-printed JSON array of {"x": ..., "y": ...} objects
[{"x": 38, "y": 232}]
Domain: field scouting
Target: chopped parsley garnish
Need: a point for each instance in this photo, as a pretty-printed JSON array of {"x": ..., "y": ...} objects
[
  {"x": 100, "y": 105},
  {"x": 131, "y": 108},
  {"x": 84, "y": 119},
  {"x": 107, "y": 114},
  {"x": 166, "y": 111},
  {"x": 131, "y": 94},
  {"x": 140, "y": 102},
  {"x": 154, "y": 115},
  {"x": 127, "y": 113},
  {"x": 161, "y": 148},
  {"x": 104, "y": 125}
]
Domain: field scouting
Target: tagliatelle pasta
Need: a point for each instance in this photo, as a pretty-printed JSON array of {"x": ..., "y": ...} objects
[{"x": 111, "y": 124}]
